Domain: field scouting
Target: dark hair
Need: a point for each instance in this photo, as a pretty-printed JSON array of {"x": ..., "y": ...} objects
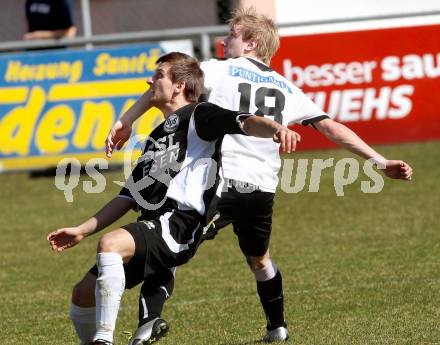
[{"x": 185, "y": 68}]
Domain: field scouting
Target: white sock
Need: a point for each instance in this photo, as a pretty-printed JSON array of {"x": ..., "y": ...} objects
[
  {"x": 84, "y": 321},
  {"x": 267, "y": 272},
  {"x": 109, "y": 289}
]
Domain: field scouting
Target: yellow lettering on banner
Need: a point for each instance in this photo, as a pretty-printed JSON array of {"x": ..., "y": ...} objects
[
  {"x": 96, "y": 119},
  {"x": 17, "y": 126},
  {"x": 39, "y": 72},
  {"x": 55, "y": 124},
  {"x": 137, "y": 66},
  {"x": 101, "y": 60},
  {"x": 76, "y": 73},
  {"x": 25, "y": 73},
  {"x": 64, "y": 69},
  {"x": 97, "y": 89},
  {"x": 11, "y": 95},
  {"x": 154, "y": 56},
  {"x": 112, "y": 67},
  {"x": 17, "y": 72},
  {"x": 105, "y": 64},
  {"x": 51, "y": 71},
  {"x": 13, "y": 71}
]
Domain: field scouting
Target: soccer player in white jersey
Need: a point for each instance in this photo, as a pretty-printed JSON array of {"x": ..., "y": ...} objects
[
  {"x": 175, "y": 212},
  {"x": 245, "y": 82}
]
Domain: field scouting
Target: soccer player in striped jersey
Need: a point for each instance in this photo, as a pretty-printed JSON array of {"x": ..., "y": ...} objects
[{"x": 175, "y": 185}]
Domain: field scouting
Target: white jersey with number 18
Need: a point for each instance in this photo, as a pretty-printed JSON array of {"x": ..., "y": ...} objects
[{"x": 248, "y": 85}]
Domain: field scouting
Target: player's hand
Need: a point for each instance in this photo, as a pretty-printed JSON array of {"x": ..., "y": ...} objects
[
  {"x": 398, "y": 170},
  {"x": 64, "y": 238},
  {"x": 117, "y": 137},
  {"x": 287, "y": 139}
]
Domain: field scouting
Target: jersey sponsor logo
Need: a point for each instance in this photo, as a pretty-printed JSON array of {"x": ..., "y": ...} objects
[
  {"x": 171, "y": 123},
  {"x": 241, "y": 72}
]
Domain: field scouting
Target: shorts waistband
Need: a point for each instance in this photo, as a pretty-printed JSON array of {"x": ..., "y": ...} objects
[{"x": 241, "y": 186}]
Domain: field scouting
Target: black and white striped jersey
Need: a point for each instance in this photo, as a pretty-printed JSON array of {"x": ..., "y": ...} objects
[
  {"x": 181, "y": 160},
  {"x": 248, "y": 85}
]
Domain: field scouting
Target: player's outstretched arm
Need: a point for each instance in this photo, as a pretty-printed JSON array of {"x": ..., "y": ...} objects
[
  {"x": 259, "y": 126},
  {"x": 66, "y": 238},
  {"x": 121, "y": 130},
  {"x": 345, "y": 137}
]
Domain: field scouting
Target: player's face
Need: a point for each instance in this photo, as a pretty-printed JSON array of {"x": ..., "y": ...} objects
[
  {"x": 161, "y": 86},
  {"x": 233, "y": 44}
]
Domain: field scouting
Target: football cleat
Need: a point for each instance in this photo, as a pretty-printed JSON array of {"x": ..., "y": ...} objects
[
  {"x": 277, "y": 334},
  {"x": 150, "y": 332},
  {"x": 101, "y": 342}
]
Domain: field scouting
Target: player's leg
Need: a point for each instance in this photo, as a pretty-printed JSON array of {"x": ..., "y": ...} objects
[
  {"x": 270, "y": 290},
  {"x": 156, "y": 289},
  {"x": 253, "y": 228},
  {"x": 164, "y": 253},
  {"x": 82, "y": 309},
  {"x": 114, "y": 248}
]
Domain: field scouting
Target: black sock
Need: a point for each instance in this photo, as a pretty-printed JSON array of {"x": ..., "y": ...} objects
[
  {"x": 156, "y": 289},
  {"x": 271, "y": 297}
]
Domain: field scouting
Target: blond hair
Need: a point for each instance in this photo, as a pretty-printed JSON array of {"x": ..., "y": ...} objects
[{"x": 259, "y": 28}]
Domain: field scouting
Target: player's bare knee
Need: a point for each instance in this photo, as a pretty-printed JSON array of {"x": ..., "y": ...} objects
[
  {"x": 107, "y": 243},
  {"x": 118, "y": 241},
  {"x": 255, "y": 266},
  {"x": 263, "y": 267},
  {"x": 257, "y": 263}
]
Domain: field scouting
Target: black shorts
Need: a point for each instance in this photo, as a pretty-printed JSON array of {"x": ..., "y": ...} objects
[
  {"x": 251, "y": 216},
  {"x": 161, "y": 244}
]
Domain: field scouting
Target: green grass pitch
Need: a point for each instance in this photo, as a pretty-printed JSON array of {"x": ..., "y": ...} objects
[{"x": 360, "y": 269}]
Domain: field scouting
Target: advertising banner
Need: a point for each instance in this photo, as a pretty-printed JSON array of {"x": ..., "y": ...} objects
[
  {"x": 61, "y": 104},
  {"x": 382, "y": 83}
]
